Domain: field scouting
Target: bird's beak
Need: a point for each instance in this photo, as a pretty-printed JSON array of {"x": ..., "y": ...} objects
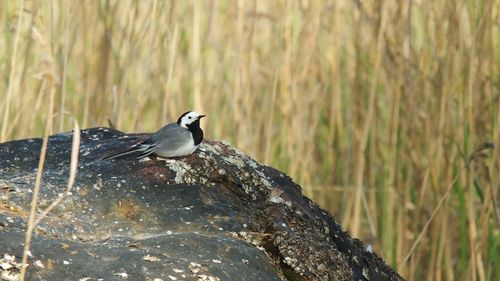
[{"x": 201, "y": 116}]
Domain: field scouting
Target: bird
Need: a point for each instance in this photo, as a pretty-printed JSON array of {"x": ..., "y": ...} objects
[{"x": 173, "y": 140}]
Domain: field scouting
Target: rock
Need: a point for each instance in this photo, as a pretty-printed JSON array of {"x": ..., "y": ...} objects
[{"x": 214, "y": 215}]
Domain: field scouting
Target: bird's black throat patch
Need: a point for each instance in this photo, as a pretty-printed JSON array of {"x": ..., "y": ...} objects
[{"x": 197, "y": 132}]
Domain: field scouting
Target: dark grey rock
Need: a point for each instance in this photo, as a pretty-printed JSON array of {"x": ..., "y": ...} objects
[{"x": 214, "y": 215}]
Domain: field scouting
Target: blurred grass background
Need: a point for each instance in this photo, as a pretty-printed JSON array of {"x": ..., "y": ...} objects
[{"x": 372, "y": 106}]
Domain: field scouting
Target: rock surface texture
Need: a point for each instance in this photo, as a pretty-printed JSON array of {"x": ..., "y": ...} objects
[{"x": 214, "y": 215}]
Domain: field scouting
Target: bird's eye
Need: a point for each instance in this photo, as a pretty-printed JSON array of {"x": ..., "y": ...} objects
[{"x": 189, "y": 117}]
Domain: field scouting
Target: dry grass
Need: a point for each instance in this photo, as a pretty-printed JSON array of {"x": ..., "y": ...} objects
[{"x": 372, "y": 106}]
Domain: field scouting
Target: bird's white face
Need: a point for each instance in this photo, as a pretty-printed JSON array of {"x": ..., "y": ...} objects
[{"x": 189, "y": 117}]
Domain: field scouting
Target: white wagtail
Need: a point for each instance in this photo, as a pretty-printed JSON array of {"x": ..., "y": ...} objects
[{"x": 173, "y": 140}]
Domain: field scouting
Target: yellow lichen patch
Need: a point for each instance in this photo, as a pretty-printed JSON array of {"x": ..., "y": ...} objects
[
  {"x": 49, "y": 264},
  {"x": 127, "y": 209},
  {"x": 7, "y": 208},
  {"x": 83, "y": 191}
]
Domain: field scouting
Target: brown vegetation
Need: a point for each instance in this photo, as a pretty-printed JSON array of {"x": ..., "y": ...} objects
[{"x": 373, "y": 106}]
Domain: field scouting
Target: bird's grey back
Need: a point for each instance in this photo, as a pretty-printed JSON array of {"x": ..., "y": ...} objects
[{"x": 172, "y": 136}]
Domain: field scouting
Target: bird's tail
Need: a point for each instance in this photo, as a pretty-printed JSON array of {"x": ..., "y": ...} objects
[
  {"x": 142, "y": 148},
  {"x": 147, "y": 151}
]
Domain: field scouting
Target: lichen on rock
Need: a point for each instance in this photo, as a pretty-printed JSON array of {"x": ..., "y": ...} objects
[{"x": 214, "y": 215}]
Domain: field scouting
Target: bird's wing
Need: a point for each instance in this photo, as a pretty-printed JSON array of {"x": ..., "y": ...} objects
[{"x": 172, "y": 136}]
